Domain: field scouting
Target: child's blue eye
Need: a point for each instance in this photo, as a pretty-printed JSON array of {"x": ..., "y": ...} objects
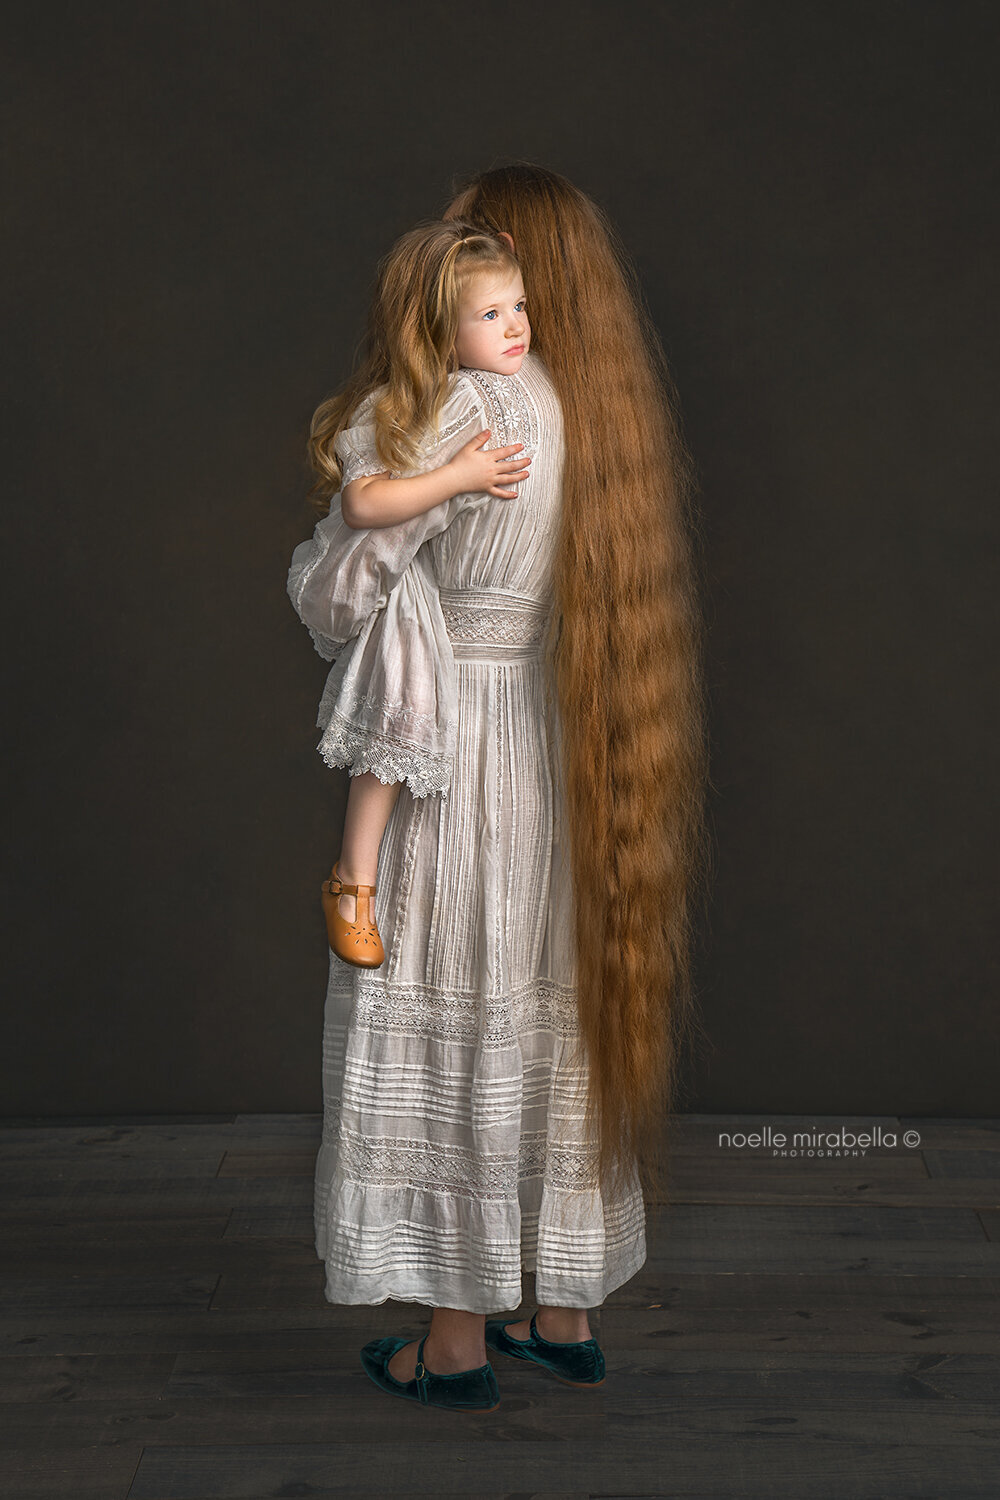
[{"x": 492, "y": 312}]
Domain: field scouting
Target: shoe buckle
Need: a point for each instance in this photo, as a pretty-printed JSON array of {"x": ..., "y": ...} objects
[{"x": 419, "y": 1374}]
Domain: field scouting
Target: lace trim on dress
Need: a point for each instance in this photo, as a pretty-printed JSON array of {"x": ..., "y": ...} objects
[
  {"x": 361, "y": 750},
  {"x": 509, "y": 412},
  {"x": 514, "y": 627},
  {"x": 432, "y": 1166},
  {"x": 328, "y": 648},
  {"x": 363, "y": 460},
  {"x": 453, "y": 427},
  {"x": 358, "y": 468},
  {"x": 491, "y": 1022}
]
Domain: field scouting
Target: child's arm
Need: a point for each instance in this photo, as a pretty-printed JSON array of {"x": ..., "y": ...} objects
[{"x": 375, "y": 500}]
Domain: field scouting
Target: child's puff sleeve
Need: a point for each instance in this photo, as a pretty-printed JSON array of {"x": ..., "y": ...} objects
[{"x": 370, "y": 600}]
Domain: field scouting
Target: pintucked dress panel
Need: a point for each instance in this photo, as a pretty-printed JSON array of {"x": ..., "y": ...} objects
[{"x": 454, "y": 1152}]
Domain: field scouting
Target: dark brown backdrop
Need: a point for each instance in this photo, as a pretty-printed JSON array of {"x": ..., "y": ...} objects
[{"x": 199, "y": 194}]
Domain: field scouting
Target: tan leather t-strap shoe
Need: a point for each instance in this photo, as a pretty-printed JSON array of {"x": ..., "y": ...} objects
[{"x": 356, "y": 942}]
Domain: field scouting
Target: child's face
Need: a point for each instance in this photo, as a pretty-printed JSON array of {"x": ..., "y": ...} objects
[{"x": 493, "y": 330}]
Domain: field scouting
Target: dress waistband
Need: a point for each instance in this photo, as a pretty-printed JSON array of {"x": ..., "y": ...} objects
[{"x": 493, "y": 625}]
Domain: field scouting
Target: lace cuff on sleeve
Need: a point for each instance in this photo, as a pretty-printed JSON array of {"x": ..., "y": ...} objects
[{"x": 355, "y": 447}]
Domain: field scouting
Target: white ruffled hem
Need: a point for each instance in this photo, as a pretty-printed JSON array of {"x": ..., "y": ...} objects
[
  {"x": 328, "y": 648},
  {"x": 345, "y": 744}
]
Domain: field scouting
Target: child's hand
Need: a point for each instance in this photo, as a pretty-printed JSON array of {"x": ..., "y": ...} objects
[{"x": 474, "y": 468}]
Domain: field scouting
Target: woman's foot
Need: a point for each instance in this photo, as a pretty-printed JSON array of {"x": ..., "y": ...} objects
[
  {"x": 560, "y": 1325},
  {"x": 403, "y": 1363}
]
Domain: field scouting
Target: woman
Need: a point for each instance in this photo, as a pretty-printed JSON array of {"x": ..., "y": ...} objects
[{"x": 560, "y": 1021}]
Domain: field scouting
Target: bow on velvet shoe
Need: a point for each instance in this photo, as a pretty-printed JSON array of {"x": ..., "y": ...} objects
[
  {"x": 574, "y": 1364},
  {"x": 468, "y": 1390}
]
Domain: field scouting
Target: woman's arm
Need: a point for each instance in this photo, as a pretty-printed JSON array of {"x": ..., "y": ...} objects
[{"x": 376, "y": 500}]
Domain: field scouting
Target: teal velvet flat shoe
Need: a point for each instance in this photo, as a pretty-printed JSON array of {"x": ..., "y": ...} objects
[
  {"x": 468, "y": 1390},
  {"x": 573, "y": 1364}
]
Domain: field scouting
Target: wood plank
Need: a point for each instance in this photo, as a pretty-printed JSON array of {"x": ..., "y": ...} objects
[
  {"x": 981, "y": 1134},
  {"x": 92, "y": 1472},
  {"x": 21, "y": 1295},
  {"x": 980, "y": 1164},
  {"x": 307, "y": 1369},
  {"x": 867, "y": 1239},
  {"x": 143, "y": 1195},
  {"x": 102, "y": 1122},
  {"x": 136, "y": 1376},
  {"x": 635, "y": 1398},
  {"x": 222, "y": 1133},
  {"x": 64, "y": 1169},
  {"x": 990, "y": 1221},
  {"x": 766, "y": 1468},
  {"x": 257, "y": 1163},
  {"x": 796, "y": 1189},
  {"x": 842, "y": 1312},
  {"x": 302, "y": 1125},
  {"x": 160, "y": 1256},
  {"x": 62, "y": 1240},
  {"x": 346, "y": 1407}
]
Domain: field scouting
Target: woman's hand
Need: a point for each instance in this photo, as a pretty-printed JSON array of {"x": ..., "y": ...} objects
[{"x": 474, "y": 468}]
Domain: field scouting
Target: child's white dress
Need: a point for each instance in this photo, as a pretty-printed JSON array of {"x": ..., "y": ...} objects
[
  {"x": 389, "y": 704},
  {"x": 454, "y": 1153}
]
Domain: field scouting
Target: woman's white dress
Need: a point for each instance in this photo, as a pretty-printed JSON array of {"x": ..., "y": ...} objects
[{"x": 454, "y": 1153}]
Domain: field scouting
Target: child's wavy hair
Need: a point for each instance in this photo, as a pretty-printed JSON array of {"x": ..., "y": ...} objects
[
  {"x": 627, "y": 660},
  {"x": 409, "y": 346}
]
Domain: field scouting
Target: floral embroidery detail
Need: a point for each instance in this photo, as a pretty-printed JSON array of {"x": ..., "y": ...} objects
[
  {"x": 343, "y": 744},
  {"x": 509, "y": 412}
]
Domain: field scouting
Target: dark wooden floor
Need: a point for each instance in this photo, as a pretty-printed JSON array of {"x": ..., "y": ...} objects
[{"x": 819, "y": 1328}]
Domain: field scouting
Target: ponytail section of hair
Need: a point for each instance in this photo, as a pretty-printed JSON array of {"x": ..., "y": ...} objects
[
  {"x": 409, "y": 347},
  {"x": 627, "y": 650}
]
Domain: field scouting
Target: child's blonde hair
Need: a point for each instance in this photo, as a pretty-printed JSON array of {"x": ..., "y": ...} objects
[{"x": 410, "y": 345}]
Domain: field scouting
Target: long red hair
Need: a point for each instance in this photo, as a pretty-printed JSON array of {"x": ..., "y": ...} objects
[{"x": 628, "y": 659}]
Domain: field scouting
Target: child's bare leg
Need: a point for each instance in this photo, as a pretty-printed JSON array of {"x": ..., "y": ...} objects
[{"x": 369, "y": 803}]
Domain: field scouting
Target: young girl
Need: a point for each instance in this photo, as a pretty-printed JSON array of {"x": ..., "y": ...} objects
[{"x": 388, "y": 709}]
